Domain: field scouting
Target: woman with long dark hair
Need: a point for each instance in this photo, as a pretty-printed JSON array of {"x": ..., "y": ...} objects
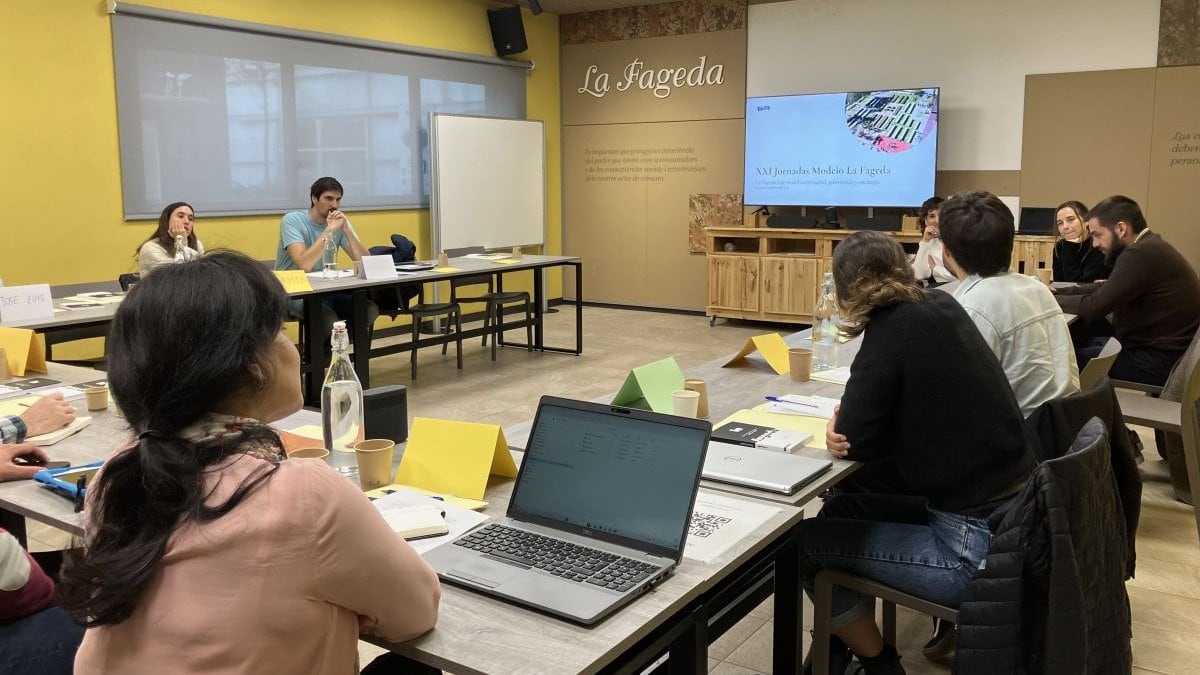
[
  {"x": 958, "y": 459},
  {"x": 175, "y": 225},
  {"x": 207, "y": 549},
  {"x": 1076, "y": 259}
]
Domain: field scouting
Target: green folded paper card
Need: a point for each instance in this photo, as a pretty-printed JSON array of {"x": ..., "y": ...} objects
[{"x": 650, "y": 386}]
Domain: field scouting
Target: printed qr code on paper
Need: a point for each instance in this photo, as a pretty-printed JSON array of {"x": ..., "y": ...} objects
[{"x": 706, "y": 524}]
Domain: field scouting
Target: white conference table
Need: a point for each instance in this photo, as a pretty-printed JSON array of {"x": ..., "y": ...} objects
[{"x": 70, "y": 322}]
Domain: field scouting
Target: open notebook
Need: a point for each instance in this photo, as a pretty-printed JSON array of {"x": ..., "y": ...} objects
[{"x": 55, "y": 436}]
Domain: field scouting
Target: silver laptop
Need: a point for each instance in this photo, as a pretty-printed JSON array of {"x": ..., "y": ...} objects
[
  {"x": 769, "y": 470},
  {"x": 599, "y": 512}
]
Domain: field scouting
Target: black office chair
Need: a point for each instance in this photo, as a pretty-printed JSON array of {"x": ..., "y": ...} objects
[
  {"x": 426, "y": 310},
  {"x": 127, "y": 281},
  {"x": 494, "y": 301}
]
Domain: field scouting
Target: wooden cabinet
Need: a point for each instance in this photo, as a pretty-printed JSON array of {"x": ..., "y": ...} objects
[
  {"x": 733, "y": 282},
  {"x": 774, "y": 274},
  {"x": 790, "y": 285}
]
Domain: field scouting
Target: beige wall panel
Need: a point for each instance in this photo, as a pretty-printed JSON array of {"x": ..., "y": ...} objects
[
  {"x": 589, "y": 99},
  {"x": 1175, "y": 160},
  {"x": 1087, "y": 136},
  {"x": 630, "y": 221},
  {"x": 604, "y": 223},
  {"x": 676, "y": 276}
]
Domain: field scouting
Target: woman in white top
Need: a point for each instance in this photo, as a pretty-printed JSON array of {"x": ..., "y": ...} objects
[
  {"x": 927, "y": 265},
  {"x": 175, "y": 222}
]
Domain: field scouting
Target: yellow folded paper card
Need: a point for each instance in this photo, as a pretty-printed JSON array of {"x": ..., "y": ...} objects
[
  {"x": 812, "y": 425},
  {"x": 456, "y": 458},
  {"x": 23, "y": 349},
  {"x": 771, "y": 346},
  {"x": 294, "y": 281}
]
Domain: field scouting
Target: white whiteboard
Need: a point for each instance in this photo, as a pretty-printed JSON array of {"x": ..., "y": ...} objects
[{"x": 488, "y": 182}]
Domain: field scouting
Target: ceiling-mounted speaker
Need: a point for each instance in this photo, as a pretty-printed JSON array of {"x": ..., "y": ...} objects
[{"x": 508, "y": 31}]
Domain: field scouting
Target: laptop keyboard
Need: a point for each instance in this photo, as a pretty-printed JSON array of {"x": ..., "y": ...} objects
[{"x": 560, "y": 558}]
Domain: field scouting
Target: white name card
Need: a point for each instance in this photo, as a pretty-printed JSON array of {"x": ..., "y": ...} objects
[
  {"x": 25, "y": 303},
  {"x": 378, "y": 267}
]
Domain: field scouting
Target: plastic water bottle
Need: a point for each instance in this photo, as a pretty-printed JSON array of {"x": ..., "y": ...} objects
[
  {"x": 341, "y": 401},
  {"x": 825, "y": 327},
  {"x": 180, "y": 244}
]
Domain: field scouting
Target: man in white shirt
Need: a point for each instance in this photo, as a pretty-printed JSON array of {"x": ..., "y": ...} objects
[{"x": 1017, "y": 315}]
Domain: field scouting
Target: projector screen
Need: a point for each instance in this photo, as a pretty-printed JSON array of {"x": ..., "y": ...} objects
[{"x": 862, "y": 148}]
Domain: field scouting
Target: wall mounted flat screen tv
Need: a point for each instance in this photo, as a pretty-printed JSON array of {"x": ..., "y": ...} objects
[{"x": 859, "y": 148}]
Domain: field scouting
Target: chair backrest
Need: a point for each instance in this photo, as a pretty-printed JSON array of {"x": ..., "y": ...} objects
[
  {"x": 1190, "y": 428},
  {"x": 1173, "y": 388},
  {"x": 1099, "y": 366},
  {"x": 128, "y": 280},
  {"x": 466, "y": 250}
]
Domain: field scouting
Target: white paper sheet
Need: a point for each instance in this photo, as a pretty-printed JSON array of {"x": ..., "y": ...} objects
[
  {"x": 458, "y": 519},
  {"x": 720, "y": 521},
  {"x": 795, "y": 404},
  {"x": 833, "y": 375}
]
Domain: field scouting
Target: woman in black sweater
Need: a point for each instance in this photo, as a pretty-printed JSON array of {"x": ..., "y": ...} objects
[
  {"x": 1075, "y": 259},
  {"x": 960, "y": 455}
]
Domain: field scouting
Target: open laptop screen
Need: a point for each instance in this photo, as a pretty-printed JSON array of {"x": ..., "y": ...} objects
[{"x": 629, "y": 477}]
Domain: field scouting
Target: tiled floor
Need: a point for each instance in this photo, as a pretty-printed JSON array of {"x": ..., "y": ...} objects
[{"x": 1165, "y": 596}]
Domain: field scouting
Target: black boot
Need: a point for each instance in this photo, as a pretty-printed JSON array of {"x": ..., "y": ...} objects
[
  {"x": 886, "y": 662},
  {"x": 839, "y": 658}
]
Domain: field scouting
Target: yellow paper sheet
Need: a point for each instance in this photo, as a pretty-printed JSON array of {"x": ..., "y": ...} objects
[
  {"x": 294, "y": 281},
  {"x": 23, "y": 349},
  {"x": 773, "y": 349},
  {"x": 813, "y": 425},
  {"x": 448, "y": 269},
  {"x": 454, "y": 458},
  {"x": 506, "y": 262},
  {"x": 17, "y": 406},
  {"x": 472, "y": 504}
]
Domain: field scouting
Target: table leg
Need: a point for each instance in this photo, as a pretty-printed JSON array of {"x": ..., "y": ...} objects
[
  {"x": 314, "y": 349},
  {"x": 689, "y": 652},
  {"x": 539, "y": 333},
  {"x": 788, "y": 656},
  {"x": 361, "y": 335},
  {"x": 578, "y": 307}
]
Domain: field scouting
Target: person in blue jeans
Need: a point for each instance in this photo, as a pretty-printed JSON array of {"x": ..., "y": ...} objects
[{"x": 928, "y": 402}]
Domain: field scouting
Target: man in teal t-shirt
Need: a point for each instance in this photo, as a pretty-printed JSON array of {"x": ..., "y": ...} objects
[{"x": 303, "y": 237}]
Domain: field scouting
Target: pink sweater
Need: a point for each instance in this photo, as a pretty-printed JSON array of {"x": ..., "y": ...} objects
[{"x": 278, "y": 585}]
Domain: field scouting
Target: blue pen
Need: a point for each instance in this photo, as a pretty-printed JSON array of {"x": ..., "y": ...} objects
[{"x": 776, "y": 399}]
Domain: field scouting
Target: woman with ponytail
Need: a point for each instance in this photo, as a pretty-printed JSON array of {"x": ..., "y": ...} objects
[
  {"x": 928, "y": 410},
  {"x": 207, "y": 549}
]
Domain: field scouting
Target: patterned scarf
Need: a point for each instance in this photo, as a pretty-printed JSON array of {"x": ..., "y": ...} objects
[{"x": 218, "y": 427}]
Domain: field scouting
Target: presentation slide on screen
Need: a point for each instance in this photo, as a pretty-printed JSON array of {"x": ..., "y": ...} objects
[{"x": 870, "y": 148}]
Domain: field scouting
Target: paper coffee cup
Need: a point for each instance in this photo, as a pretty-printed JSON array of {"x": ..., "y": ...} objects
[
  {"x": 685, "y": 403},
  {"x": 374, "y": 462},
  {"x": 800, "y": 361},
  {"x": 97, "y": 398},
  {"x": 443, "y": 259},
  {"x": 701, "y": 388},
  {"x": 1046, "y": 276},
  {"x": 308, "y": 453},
  {"x": 516, "y": 253}
]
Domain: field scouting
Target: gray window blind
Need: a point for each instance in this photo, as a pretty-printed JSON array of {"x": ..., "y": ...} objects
[{"x": 236, "y": 120}]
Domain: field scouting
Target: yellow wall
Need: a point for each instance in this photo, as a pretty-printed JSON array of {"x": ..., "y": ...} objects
[{"x": 60, "y": 166}]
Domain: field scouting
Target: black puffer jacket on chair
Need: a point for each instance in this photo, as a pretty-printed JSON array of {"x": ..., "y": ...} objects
[{"x": 1050, "y": 596}]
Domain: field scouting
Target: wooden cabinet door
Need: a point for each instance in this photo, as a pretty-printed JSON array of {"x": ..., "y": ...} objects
[
  {"x": 788, "y": 285},
  {"x": 733, "y": 282}
]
